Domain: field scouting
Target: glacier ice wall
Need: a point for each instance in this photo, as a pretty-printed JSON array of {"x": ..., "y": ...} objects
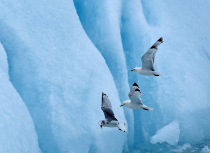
[
  {"x": 16, "y": 126},
  {"x": 101, "y": 21},
  {"x": 136, "y": 39},
  {"x": 62, "y": 55},
  {"x": 3, "y": 61},
  {"x": 183, "y": 58},
  {"x": 60, "y": 76}
]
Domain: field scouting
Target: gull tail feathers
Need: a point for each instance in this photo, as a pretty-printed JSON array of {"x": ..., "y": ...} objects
[
  {"x": 158, "y": 74},
  {"x": 147, "y": 108},
  {"x": 150, "y": 109},
  {"x": 122, "y": 127}
]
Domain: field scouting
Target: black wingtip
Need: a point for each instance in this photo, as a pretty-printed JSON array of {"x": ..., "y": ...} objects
[
  {"x": 138, "y": 90},
  {"x": 103, "y": 94},
  {"x": 102, "y": 98},
  {"x": 135, "y": 84},
  {"x": 161, "y": 39},
  {"x": 145, "y": 109},
  {"x": 153, "y": 47}
]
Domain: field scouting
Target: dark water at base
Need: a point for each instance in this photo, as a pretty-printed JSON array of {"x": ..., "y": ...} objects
[{"x": 198, "y": 147}]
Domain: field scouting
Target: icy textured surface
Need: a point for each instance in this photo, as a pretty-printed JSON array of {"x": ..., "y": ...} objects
[
  {"x": 60, "y": 76},
  {"x": 16, "y": 126},
  {"x": 206, "y": 149},
  {"x": 187, "y": 67},
  {"x": 169, "y": 133},
  {"x": 3, "y": 61},
  {"x": 101, "y": 21},
  {"x": 63, "y": 54},
  {"x": 182, "y": 148},
  {"x": 183, "y": 58}
]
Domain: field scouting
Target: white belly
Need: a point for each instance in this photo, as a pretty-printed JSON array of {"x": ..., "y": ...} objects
[
  {"x": 134, "y": 106},
  {"x": 146, "y": 72}
]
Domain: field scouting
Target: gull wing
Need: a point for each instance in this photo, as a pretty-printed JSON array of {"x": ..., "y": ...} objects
[
  {"x": 134, "y": 94},
  {"x": 134, "y": 87},
  {"x": 107, "y": 108},
  {"x": 148, "y": 59}
]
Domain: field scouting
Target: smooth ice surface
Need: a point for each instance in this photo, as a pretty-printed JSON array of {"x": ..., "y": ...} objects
[
  {"x": 169, "y": 133},
  {"x": 16, "y": 126}
]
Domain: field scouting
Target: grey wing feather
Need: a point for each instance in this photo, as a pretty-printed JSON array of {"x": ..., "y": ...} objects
[
  {"x": 107, "y": 108},
  {"x": 134, "y": 94},
  {"x": 135, "y": 98},
  {"x": 132, "y": 91},
  {"x": 148, "y": 59}
]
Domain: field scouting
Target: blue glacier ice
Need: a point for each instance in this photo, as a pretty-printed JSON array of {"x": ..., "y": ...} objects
[
  {"x": 169, "y": 133},
  {"x": 102, "y": 21},
  {"x": 57, "y": 57},
  {"x": 60, "y": 75},
  {"x": 16, "y": 125}
]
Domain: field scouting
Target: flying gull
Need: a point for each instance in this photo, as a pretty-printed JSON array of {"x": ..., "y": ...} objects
[
  {"x": 135, "y": 101},
  {"x": 110, "y": 119},
  {"x": 148, "y": 60}
]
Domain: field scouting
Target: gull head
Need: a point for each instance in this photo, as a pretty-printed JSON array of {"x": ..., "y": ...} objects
[
  {"x": 101, "y": 123},
  {"x": 125, "y": 103},
  {"x": 136, "y": 69}
]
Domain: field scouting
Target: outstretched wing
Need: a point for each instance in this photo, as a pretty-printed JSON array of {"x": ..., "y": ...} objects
[
  {"x": 134, "y": 87},
  {"x": 148, "y": 59},
  {"x": 107, "y": 108},
  {"x": 134, "y": 94}
]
